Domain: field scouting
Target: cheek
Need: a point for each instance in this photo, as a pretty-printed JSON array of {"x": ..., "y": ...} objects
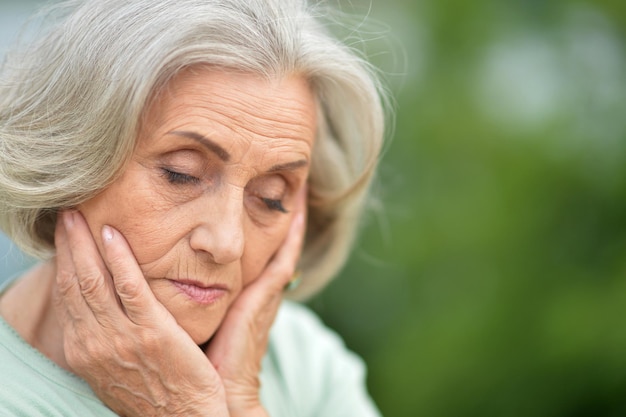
[
  {"x": 261, "y": 246},
  {"x": 137, "y": 214},
  {"x": 100, "y": 210}
]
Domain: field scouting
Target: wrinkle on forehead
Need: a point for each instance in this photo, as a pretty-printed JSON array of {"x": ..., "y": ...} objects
[{"x": 247, "y": 107}]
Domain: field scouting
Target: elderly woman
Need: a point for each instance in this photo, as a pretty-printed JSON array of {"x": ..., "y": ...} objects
[{"x": 163, "y": 158}]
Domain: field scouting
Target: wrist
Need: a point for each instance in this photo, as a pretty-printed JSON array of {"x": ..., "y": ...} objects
[{"x": 206, "y": 405}]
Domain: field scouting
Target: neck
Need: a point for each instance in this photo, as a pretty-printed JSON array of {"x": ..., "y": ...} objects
[{"x": 28, "y": 307}]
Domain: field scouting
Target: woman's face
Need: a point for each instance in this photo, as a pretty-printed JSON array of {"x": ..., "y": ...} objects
[{"x": 209, "y": 194}]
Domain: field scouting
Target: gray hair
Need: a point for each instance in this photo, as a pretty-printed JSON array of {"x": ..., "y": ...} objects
[{"x": 71, "y": 105}]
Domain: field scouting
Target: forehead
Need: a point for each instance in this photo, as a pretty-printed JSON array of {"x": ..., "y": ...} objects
[{"x": 234, "y": 104}]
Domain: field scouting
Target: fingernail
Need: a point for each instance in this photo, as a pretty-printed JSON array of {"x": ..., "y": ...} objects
[{"x": 107, "y": 233}]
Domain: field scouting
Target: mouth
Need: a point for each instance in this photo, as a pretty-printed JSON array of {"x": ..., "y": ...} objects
[{"x": 199, "y": 292}]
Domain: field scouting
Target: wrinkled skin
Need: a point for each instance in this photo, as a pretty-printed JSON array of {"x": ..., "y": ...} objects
[{"x": 223, "y": 218}]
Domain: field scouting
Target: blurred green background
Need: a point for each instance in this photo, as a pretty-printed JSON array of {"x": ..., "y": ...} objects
[
  {"x": 490, "y": 278},
  {"x": 493, "y": 281}
]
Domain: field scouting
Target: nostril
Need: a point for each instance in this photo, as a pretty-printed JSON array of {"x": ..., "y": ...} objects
[{"x": 223, "y": 244}]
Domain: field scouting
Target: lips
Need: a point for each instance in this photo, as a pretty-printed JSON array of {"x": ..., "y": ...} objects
[{"x": 200, "y": 293}]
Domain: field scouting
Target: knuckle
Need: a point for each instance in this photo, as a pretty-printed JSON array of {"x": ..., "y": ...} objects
[
  {"x": 125, "y": 347},
  {"x": 66, "y": 281},
  {"x": 121, "y": 346},
  {"x": 91, "y": 284},
  {"x": 92, "y": 349},
  {"x": 129, "y": 289},
  {"x": 150, "y": 339}
]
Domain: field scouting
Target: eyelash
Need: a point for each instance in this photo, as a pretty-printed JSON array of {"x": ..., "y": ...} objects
[
  {"x": 178, "y": 178},
  {"x": 274, "y": 204}
]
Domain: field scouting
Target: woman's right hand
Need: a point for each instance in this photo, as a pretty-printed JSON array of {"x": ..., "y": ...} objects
[{"x": 119, "y": 338}]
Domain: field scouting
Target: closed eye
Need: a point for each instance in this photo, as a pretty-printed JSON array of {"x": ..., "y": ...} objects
[
  {"x": 178, "y": 178},
  {"x": 274, "y": 204}
]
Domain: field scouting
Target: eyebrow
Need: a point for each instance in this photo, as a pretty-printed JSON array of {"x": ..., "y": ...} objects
[
  {"x": 206, "y": 142},
  {"x": 289, "y": 166},
  {"x": 225, "y": 156}
]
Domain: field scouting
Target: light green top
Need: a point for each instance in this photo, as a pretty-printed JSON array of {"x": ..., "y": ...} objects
[{"x": 307, "y": 372}]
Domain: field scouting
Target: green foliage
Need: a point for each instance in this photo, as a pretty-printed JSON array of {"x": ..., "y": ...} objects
[{"x": 492, "y": 284}]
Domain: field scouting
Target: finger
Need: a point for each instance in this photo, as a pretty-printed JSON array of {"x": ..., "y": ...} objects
[
  {"x": 265, "y": 293},
  {"x": 263, "y": 296},
  {"x": 93, "y": 278},
  {"x": 136, "y": 297},
  {"x": 69, "y": 300},
  {"x": 281, "y": 268},
  {"x": 285, "y": 261},
  {"x": 251, "y": 315}
]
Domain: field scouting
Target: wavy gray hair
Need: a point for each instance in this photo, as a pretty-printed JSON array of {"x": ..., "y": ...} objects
[{"x": 71, "y": 104}]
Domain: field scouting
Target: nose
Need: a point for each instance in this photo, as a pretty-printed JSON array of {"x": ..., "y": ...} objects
[{"x": 220, "y": 230}]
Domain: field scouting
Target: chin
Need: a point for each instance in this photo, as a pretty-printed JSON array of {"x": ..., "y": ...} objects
[
  {"x": 198, "y": 332},
  {"x": 200, "y": 326}
]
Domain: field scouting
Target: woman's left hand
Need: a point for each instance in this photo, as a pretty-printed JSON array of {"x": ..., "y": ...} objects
[{"x": 240, "y": 343}]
